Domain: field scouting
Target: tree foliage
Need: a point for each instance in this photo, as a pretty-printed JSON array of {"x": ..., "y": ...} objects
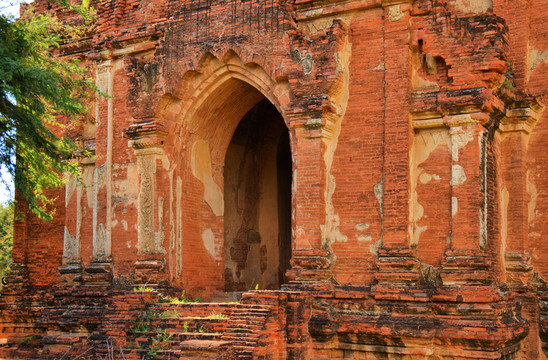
[
  {"x": 39, "y": 92},
  {"x": 6, "y": 238}
]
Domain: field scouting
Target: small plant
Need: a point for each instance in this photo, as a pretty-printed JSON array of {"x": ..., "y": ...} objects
[
  {"x": 182, "y": 300},
  {"x": 200, "y": 330},
  {"x": 30, "y": 338},
  {"x": 169, "y": 314},
  {"x": 185, "y": 326},
  {"x": 164, "y": 336},
  {"x": 140, "y": 327},
  {"x": 215, "y": 315},
  {"x": 144, "y": 289},
  {"x": 508, "y": 85},
  {"x": 143, "y": 324},
  {"x": 153, "y": 351},
  {"x": 161, "y": 342}
]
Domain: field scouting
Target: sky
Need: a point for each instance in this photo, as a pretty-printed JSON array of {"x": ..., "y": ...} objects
[{"x": 7, "y": 7}]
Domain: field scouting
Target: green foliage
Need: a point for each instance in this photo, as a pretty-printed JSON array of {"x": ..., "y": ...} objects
[
  {"x": 161, "y": 342},
  {"x": 144, "y": 289},
  {"x": 28, "y": 339},
  {"x": 169, "y": 314},
  {"x": 182, "y": 300},
  {"x": 143, "y": 324},
  {"x": 508, "y": 76},
  {"x": 215, "y": 315},
  {"x": 39, "y": 94},
  {"x": 6, "y": 238}
]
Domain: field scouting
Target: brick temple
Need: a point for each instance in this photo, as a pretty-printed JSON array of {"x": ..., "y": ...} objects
[{"x": 334, "y": 179}]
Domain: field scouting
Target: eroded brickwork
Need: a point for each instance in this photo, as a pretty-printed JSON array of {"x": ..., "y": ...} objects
[{"x": 417, "y": 185}]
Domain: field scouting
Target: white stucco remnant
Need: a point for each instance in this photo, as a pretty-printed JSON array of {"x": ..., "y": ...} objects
[
  {"x": 339, "y": 98},
  {"x": 208, "y": 239},
  {"x": 533, "y": 194},
  {"x": 374, "y": 248},
  {"x": 505, "y": 199},
  {"x": 458, "y": 141},
  {"x": 362, "y": 227},
  {"x": 366, "y": 237},
  {"x": 458, "y": 177},
  {"x": 201, "y": 169},
  {"x": 178, "y": 227},
  {"x": 424, "y": 144},
  {"x": 474, "y": 6},
  {"x": 395, "y": 13}
]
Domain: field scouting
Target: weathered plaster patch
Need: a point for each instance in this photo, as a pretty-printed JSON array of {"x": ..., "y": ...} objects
[
  {"x": 159, "y": 236},
  {"x": 378, "y": 190},
  {"x": 458, "y": 177},
  {"x": 146, "y": 160},
  {"x": 454, "y": 205},
  {"x": 458, "y": 141},
  {"x": 474, "y": 6},
  {"x": 71, "y": 249},
  {"x": 201, "y": 169},
  {"x": 533, "y": 194},
  {"x": 171, "y": 226},
  {"x": 178, "y": 227},
  {"x": 362, "y": 227},
  {"x": 395, "y": 13},
  {"x": 420, "y": 83},
  {"x": 314, "y": 12},
  {"x": 165, "y": 162},
  {"x": 374, "y": 248},
  {"x": 425, "y": 178},
  {"x": 99, "y": 251},
  {"x": 505, "y": 198},
  {"x": 99, "y": 237},
  {"x": 381, "y": 66},
  {"x": 320, "y": 24},
  {"x": 339, "y": 97},
  {"x": 366, "y": 237},
  {"x": 124, "y": 224},
  {"x": 536, "y": 57},
  {"x": 208, "y": 239},
  {"x": 87, "y": 178},
  {"x": 416, "y": 216},
  {"x": 128, "y": 188},
  {"x": 70, "y": 186},
  {"x": 424, "y": 143}
]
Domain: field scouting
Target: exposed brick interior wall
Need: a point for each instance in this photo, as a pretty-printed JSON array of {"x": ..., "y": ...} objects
[{"x": 418, "y": 185}]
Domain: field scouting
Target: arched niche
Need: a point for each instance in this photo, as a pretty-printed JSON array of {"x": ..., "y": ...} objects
[{"x": 219, "y": 113}]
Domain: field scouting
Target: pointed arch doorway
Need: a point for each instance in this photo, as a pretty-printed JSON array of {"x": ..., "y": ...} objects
[{"x": 257, "y": 201}]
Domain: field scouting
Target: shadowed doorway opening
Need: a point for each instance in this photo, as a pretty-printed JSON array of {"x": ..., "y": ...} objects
[{"x": 257, "y": 194}]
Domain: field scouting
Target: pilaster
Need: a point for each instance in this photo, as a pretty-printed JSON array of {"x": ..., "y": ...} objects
[
  {"x": 146, "y": 137},
  {"x": 72, "y": 267},
  {"x": 514, "y": 130},
  {"x": 466, "y": 261},
  {"x": 309, "y": 263},
  {"x": 396, "y": 261}
]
